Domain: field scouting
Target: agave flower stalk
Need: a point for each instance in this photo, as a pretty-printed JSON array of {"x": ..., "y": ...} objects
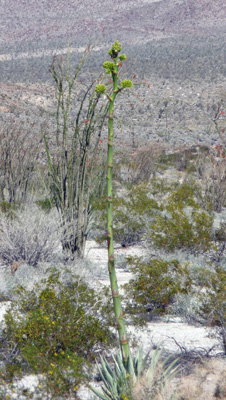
[{"x": 111, "y": 68}]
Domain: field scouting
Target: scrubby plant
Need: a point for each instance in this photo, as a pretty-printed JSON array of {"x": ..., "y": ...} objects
[
  {"x": 55, "y": 330},
  {"x": 75, "y": 174},
  {"x": 211, "y": 170},
  {"x": 18, "y": 154},
  {"x": 134, "y": 209},
  {"x": 29, "y": 235},
  {"x": 182, "y": 224},
  {"x": 45, "y": 204},
  {"x": 181, "y": 158},
  {"x": 212, "y": 299},
  {"x": 155, "y": 284},
  {"x": 168, "y": 216},
  {"x": 111, "y": 67},
  {"x": 139, "y": 165}
]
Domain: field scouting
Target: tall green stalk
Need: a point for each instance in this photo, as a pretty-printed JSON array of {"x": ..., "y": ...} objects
[{"x": 111, "y": 68}]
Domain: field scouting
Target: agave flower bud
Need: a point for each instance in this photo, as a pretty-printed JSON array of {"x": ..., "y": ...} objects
[
  {"x": 126, "y": 84},
  {"x": 100, "y": 88},
  {"x": 109, "y": 65},
  {"x": 116, "y": 48},
  {"x": 122, "y": 57}
]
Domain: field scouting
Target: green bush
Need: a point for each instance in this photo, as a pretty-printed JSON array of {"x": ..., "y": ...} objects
[
  {"x": 131, "y": 215},
  {"x": 168, "y": 216},
  {"x": 155, "y": 285},
  {"x": 57, "y": 331},
  {"x": 212, "y": 300},
  {"x": 182, "y": 225}
]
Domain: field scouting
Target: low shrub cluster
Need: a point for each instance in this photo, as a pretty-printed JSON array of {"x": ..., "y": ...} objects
[
  {"x": 154, "y": 286},
  {"x": 55, "y": 330},
  {"x": 28, "y": 235}
]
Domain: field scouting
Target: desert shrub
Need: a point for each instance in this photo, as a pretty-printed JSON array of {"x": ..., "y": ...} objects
[
  {"x": 155, "y": 286},
  {"x": 8, "y": 208},
  {"x": 211, "y": 168},
  {"x": 132, "y": 212},
  {"x": 30, "y": 236},
  {"x": 18, "y": 154},
  {"x": 212, "y": 299},
  {"x": 139, "y": 165},
  {"x": 168, "y": 216},
  {"x": 182, "y": 224},
  {"x": 55, "y": 330},
  {"x": 181, "y": 158}
]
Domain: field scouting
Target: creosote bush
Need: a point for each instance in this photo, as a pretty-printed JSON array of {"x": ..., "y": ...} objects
[
  {"x": 182, "y": 224},
  {"x": 133, "y": 211},
  {"x": 154, "y": 286},
  {"x": 168, "y": 216},
  {"x": 55, "y": 330}
]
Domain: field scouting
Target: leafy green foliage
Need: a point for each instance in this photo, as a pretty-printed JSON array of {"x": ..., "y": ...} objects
[
  {"x": 57, "y": 332},
  {"x": 131, "y": 214},
  {"x": 154, "y": 287},
  {"x": 183, "y": 225},
  {"x": 172, "y": 219}
]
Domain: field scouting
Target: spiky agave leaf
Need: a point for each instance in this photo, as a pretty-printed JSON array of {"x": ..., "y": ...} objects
[
  {"x": 172, "y": 370},
  {"x": 119, "y": 367},
  {"x": 121, "y": 377},
  {"x": 140, "y": 363},
  {"x": 166, "y": 372},
  {"x": 115, "y": 381}
]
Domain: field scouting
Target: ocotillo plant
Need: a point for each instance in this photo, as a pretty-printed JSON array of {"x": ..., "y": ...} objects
[
  {"x": 111, "y": 68},
  {"x": 73, "y": 182}
]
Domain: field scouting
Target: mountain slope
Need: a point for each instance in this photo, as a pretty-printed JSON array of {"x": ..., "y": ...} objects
[{"x": 133, "y": 21}]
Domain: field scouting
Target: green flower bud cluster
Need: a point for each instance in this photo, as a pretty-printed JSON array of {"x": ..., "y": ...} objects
[
  {"x": 122, "y": 57},
  {"x": 116, "y": 48},
  {"x": 100, "y": 88},
  {"x": 126, "y": 84},
  {"x": 108, "y": 65}
]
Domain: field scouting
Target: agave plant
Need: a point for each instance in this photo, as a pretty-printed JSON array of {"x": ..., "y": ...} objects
[{"x": 120, "y": 381}]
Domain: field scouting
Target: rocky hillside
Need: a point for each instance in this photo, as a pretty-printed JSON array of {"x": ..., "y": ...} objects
[
  {"x": 56, "y": 20},
  {"x": 177, "y": 46}
]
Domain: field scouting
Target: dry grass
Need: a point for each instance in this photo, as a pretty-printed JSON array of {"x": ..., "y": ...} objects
[{"x": 207, "y": 381}]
